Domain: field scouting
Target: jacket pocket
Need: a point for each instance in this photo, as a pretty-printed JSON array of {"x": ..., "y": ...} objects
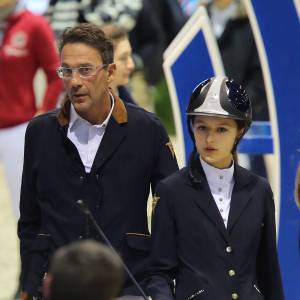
[
  {"x": 41, "y": 242},
  {"x": 135, "y": 253},
  {"x": 197, "y": 295},
  {"x": 258, "y": 292},
  {"x": 138, "y": 241}
]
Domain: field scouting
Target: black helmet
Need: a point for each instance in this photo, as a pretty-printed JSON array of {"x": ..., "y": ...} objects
[{"x": 220, "y": 97}]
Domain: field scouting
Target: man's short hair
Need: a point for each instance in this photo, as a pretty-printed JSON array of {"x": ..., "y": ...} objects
[
  {"x": 85, "y": 270},
  {"x": 91, "y": 35}
]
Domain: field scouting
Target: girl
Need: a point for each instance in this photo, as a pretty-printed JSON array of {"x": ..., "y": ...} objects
[{"x": 214, "y": 226}]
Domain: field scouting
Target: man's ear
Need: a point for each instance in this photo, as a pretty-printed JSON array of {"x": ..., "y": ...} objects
[
  {"x": 111, "y": 72},
  {"x": 47, "y": 285}
]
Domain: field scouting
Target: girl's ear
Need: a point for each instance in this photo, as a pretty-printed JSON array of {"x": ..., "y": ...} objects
[
  {"x": 240, "y": 132},
  {"x": 237, "y": 139}
]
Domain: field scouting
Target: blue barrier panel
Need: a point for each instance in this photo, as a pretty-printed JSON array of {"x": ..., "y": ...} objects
[
  {"x": 280, "y": 30},
  {"x": 258, "y": 139}
]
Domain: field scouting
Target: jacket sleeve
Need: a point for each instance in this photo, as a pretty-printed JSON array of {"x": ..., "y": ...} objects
[
  {"x": 269, "y": 278},
  {"x": 163, "y": 262},
  {"x": 29, "y": 222},
  {"x": 165, "y": 162},
  {"x": 48, "y": 60}
]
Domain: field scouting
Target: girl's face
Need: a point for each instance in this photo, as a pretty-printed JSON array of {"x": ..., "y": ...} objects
[{"x": 215, "y": 138}]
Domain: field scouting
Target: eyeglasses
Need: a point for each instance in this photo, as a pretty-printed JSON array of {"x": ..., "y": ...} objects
[{"x": 84, "y": 72}]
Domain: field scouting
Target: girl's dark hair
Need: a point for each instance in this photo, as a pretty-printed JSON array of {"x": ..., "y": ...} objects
[{"x": 91, "y": 35}]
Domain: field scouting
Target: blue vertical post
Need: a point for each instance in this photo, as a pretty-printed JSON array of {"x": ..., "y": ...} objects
[{"x": 280, "y": 30}]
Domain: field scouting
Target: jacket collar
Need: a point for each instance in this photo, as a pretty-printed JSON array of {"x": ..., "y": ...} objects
[
  {"x": 196, "y": 173},
  {"x": 119, "y": 112},
  {"x": 195, "y": 170},
  {"x": 241, "y": 194}
]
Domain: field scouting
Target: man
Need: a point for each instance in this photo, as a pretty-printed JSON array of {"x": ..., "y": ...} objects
[
  {"x": 26, "y": 45},
  {"x": 96, "y": 148},
  {"x": 83, "y": 270}
]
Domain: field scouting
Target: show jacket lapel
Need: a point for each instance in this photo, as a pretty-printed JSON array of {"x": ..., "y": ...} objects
[
  {"x": 203, "y": 197},
  {"x": 114, "y": 134},
  {"x": 241, "y": 195}
]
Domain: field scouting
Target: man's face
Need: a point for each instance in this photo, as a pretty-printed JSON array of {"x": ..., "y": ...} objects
[
  {"x": 215, "y": 139},
  {"x": 124, "y": 62},
  {"x": 86, "y": 94}
]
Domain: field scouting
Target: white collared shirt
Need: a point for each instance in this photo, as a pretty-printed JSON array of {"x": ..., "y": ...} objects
[
  {"x": 86, "y": 136},
  {"x": 221, "y": 182}
]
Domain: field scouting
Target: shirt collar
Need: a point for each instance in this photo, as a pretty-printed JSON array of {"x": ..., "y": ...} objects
[
  {"x": 214, "y": 174},
  {"x": 75, "y": 117}
]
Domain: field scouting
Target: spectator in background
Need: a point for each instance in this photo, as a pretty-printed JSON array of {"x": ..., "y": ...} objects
[
  {"x": 123, "y": 60},
  {"x": 169, "y": 18},
  {"x": 84, "y": 270},
  {"x": 26, "y": 44},
  {"x": 67, "y": 13},
  {"x": 240, "y": 58}
]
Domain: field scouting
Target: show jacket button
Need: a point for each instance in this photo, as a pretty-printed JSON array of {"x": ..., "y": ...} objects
[
  {"x": 228, "y": 249},
  {"x": 231, "y": 273},
  {"x": 234, "y": 296}
]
